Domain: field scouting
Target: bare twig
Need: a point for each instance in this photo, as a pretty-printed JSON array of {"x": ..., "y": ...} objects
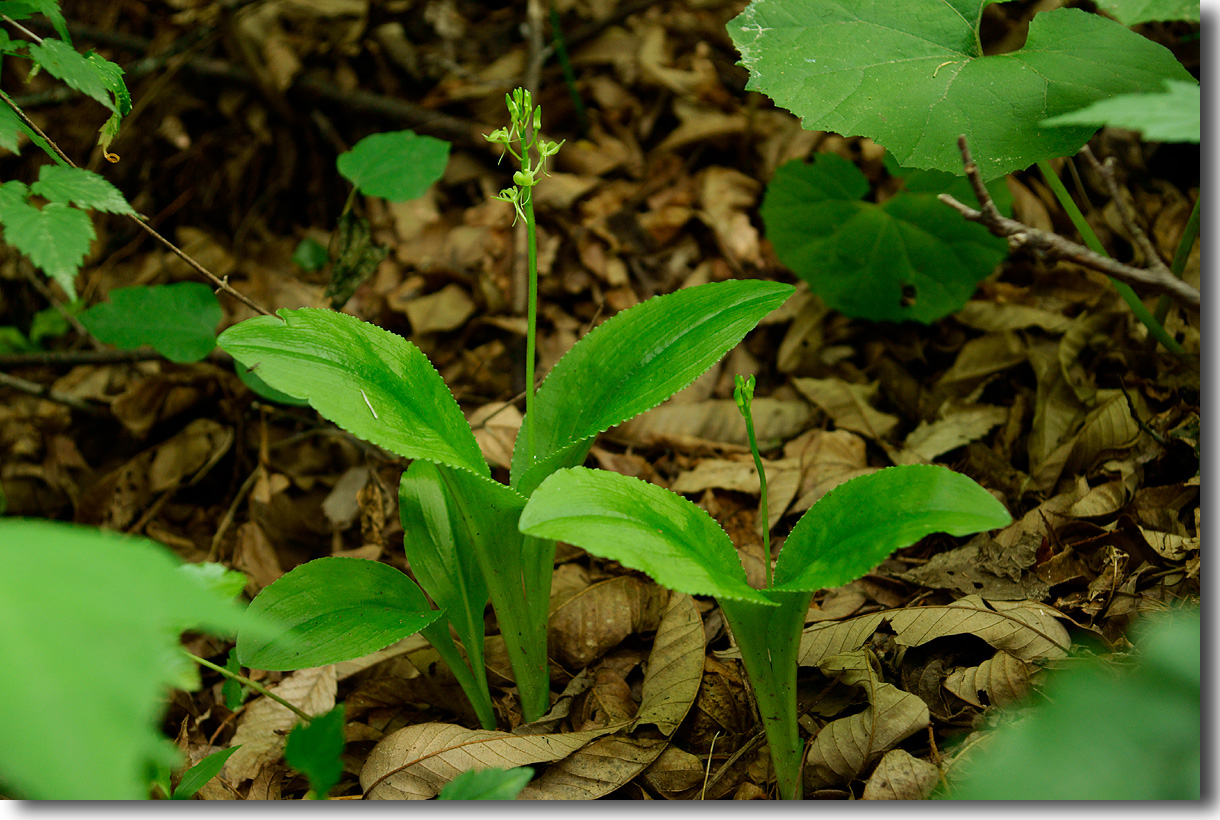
[
  {"x": 1053, "y": 246},
  {"x": 1106, "y": 171},
  {"x": 221, "y": 284},
  {"x": 44, "y": 391}
]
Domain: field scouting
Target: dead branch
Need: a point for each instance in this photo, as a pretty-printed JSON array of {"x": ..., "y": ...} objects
[{"x": 1155, "y": 279}]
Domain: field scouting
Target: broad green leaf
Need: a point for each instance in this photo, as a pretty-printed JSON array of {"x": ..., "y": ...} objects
[
  {"x": 924, "y": 181},
  {"x": 55, "y": 237},
  {"x": 641, "y": 526},
  {"x": 397, "y": 165},
  {"x": 112, "y": 77},
  {"x": 331, "y": 610},
  {"x": 65, "y": 63},
  {"x": 631, "y": 363},
  {"x": 859, "y": 523},
  {"x": 909, "y": 258},
  {"x": 196, "y": 776},
  {"x": 250, "y": 379},
  {"x": 316, "y": 751},
  {"x": 1105, "y": 731},
  {"x": 310, "y": 254},
  {"x": 1134, "y": 12},
  {"x": 488, "y": 784},
  {"x": 179, "y": 320},
  {"x": 81, "y": 188},
  {"x": 88, "y": 632},
  {"x": 911, "y": 75},
  {"x": 370, "y": 382},
  {"x": 1171, "y": 115}
]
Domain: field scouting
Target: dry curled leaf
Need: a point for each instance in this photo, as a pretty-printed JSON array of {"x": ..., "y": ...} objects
[
  {"x": 901, "y": 776},
  {"x": 265, "y": 724},
  {"x": 1003, "y": 680},
  {"x": 597, "y": 618},
  {"x": 849, "y": 405},
  {"x": 1026, "y": 629},
  {"x": 843, "y": 748}
]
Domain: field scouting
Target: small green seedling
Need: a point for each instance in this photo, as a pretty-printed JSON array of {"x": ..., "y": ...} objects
[
  {"x": 487, "y": 784},
  {"x": 844, "y": 535},
  {"x": 460, "y": 528}
]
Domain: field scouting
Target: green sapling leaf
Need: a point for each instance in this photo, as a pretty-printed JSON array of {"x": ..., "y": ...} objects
[
  {"x": 196, "y": 776},
  {"x": 370, "y": 382},
  {"x": 641, "y": 526},
  {"x": 909, "y": 258},
  {"x": 55, "y": 237},
  {"x": 89, "y": 634},
  {"x": 1134, "y": 12},
  {"x": 316, "y": 750},
  {"x": 178, "y": 320},
  {"x": 397, "y": 165},
  {"x": 488, "y": 784},
  {"x": 911, "y": 74},
  {"x": 81, "y": 188},
  {"x": 21, "y": 9},
  {"x": 63, "y": 62},
  {"x": 1172, "y": 115},
  {"x": 331, "y": 610},
  {"x": 859, "y": 523}
]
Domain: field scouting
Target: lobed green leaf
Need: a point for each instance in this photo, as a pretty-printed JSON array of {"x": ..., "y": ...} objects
[
  {"x": 859, "y": 523},
  {"x": 63, "y": 62},
  {"x": 331, "y": 610},
  {"x": 55, "y": 237},
  {"x": 631, "y": 363},
  {"x": 911, "y": 74},
  {"x": 178, "y": 320},
  {"x": 641, "y": 526},
  {"x": 370, "y": 382},
  {"x": 81, "y": 188}
]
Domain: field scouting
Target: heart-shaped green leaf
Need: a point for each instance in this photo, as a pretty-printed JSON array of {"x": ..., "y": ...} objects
[
  {"x": 907, "y": 258},
  {"x": 911, "y": 75},
  {"x": 368, "y": 381},
  {"x": 179, "y": 320},
  {"x": 331, "y": 610},
  {"x": 397, "y": 165},
  {"x": 1134, "y": 12},
  {"x": 641, "y": 526},
  {"x": 630, "y": 364},
  {"x": 859, "y": 523}
]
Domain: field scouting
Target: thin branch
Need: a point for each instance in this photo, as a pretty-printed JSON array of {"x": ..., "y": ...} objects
[
  {"x": 1053, "y": 246},
  {"x": 44, "y": 391},
  {"x": 1106, "y": 171}
]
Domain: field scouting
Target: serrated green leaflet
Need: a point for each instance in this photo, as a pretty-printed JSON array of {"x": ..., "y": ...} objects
[
  {"x": 369, "y": 381},
  {"x": 79, "y": 187},
  {"x": 909, "y": 258},
  {"x": 63, "y": 62},
  {"x": 911, "y": 75},
  {"x": 1169, "y": 116},
  {"x": 88, "y": 632},
  {"x": 331, "y": 610},
  {"x": 487, "y": 784},
  {"x": 858, "y": 524},
  {"x": 397, "y": 165},
  {"x": 55, "y": 237},
  {"x": 1134, "y": 12},
  {"x": 21, "y": 9},
  {"x": 641, "y": 526},
  {"x": 633, "y": 362},
  {"x": 316, "y": 751},
  {"x": 178, "y": 321}
]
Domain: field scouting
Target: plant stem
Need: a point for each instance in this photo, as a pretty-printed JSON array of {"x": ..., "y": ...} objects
[
  {"x": 1178, "y": 267},
  {"x": 762, "y": 491},
  {"x": 1133, "y": 301},
  {"x": 257, "y": 687},
  {"x": 531, "y": 320}
]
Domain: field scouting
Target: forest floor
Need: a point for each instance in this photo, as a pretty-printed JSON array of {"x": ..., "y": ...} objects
[{"x": 1043, "y": 388}]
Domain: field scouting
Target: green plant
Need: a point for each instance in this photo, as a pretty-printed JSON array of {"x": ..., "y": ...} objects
[
  {"x": 913, "y": 76},
  {"x": 1103, "y": 730},
  {"x": 460, "y": 526},
  {"x": 179, "y": 320},
  {"x": 487, "y": 784},
  {"x": 844, "y": 535},
  {"x": 89, "y": 622}
]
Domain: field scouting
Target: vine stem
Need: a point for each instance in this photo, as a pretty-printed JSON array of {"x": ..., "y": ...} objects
[
  {"x": 1091, "y": 241},
  {"x": 257, "y": 687}
]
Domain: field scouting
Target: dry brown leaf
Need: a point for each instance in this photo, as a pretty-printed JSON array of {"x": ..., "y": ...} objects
[
  {"x": 985, "y": 568},
  {"x": 447, "y": 309},
  {"x": 675, "y": 667},
  {"x": 254, "y": 555},
  {"x": 495, "y": 428},
  {"x": 597, "y": 618},
  {"x": 1026, "y": 629},
  {"x": 827, "y": 639},
  {"x": 341, "y": 506},
  {"x": 954, "y": 429},
  {"x": 901, "y": 776},
  {"x": 740, "y": 475},
  {"x": 604, "y": 765},
  {"x": 674, "y": 771},
  {"x": 982, "y": 357},
  {"x": 1003, "y": 680},
  {"x": 415, "y": 763},
  {"x": 849, "y": 405},
  {"x": 265, "y": 724},
  {"x": 828, "y": 458},
  {"x": 718, "y": 420},
  {"x": 1108, "y": 427},
  {"x": 843, "y": 748},
  {"x": 996, "y": 317},
  {"x": 726, "y": 196}
]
